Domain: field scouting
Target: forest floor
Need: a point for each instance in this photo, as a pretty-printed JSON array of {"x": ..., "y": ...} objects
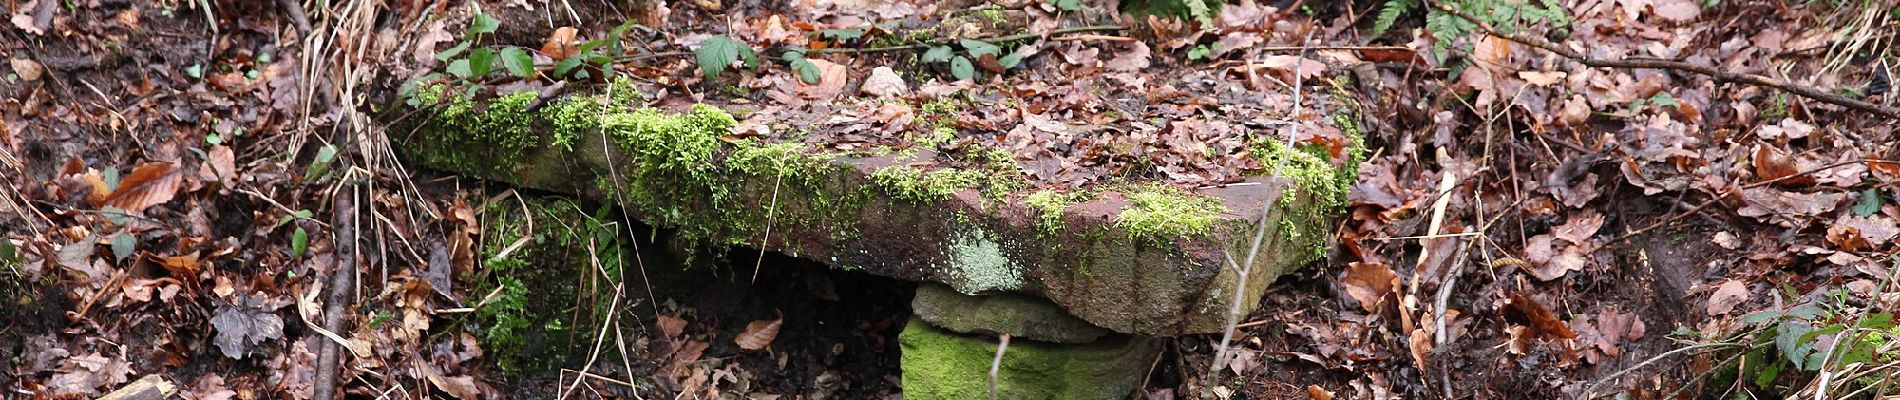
[{"x": 1526, "y": 226}]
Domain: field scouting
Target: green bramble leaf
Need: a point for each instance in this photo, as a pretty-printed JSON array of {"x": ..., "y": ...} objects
[
  {"x": 716, "y": 53},
  {"x": 518, "y": 62}
]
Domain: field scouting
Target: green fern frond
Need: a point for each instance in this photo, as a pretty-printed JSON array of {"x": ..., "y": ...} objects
[{"x": 1389, "y": 15}]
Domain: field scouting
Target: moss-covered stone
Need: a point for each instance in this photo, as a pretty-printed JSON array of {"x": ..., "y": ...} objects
[
  {"x": 940, "y": 364},
  {"x": 1002, "y": 313},
  {"x": 1137, "y": 258}
]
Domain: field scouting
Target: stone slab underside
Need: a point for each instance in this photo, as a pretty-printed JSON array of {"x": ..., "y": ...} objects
[{"x": 837, "y": 209}]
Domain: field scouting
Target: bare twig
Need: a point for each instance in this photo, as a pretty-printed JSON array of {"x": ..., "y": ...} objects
[
  {"x": 1712, "y": 72},
  {"x": 996, "y": 365},
  {"x": 1242, "y": 273}
]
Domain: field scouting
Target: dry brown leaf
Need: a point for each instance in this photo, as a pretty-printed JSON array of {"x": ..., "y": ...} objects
[
  {"x": 884, "y": 82},
  {"x": 150, "y": 184},
  {"x": 1314, "y": 392},
  {"x": 1520, "y": 309},
  {"x": 1132, "y": 57},
  {"x": 672, "y": 326},
  {"x": 759, "y": 334},
  {"x": 1772, "y": 163},
  {"x": 1369, "y": 283},
  {"x": 27, "y": 69},
  {"x": 1542, "y": 78},
  {"x": 184, "y": 267},
  {"x": 1677, "y": 10},
  {"x": 1421, "y": 348},
  {"x": 220, "y": 166},
  {"x": 561, "y": 44},
  {"x": 1580, "y": 226},
  {"x": 831, "y": 81},
  {"x": 1727, "y": 296}
]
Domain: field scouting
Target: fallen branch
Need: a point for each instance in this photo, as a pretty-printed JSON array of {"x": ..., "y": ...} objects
[{"x": 1712, "y": 72}]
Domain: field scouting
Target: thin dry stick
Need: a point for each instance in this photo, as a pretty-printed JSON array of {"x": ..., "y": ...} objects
[
  {"x": 1712, "y": 72},
  {"x": 997, "y": 364},
  {"x": 1242, "y": 273}
]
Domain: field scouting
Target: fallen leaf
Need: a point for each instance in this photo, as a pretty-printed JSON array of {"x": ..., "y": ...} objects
[
  {"x": 671, "y": 326},
  {"x": 1677, "y": 10},
  {"x": 884, "y": 82},
  {"x": 1369, "y": 283},
  {"x": 561, "y": 44},
  {"x": 759, "y": 334},
  {"x": 1729, "y": 294},
  {"x": 1521, "y": 310},
  {"x": 245, "y": 324},
  {"x": 1132, "y": 57},
  {"x": 1542, "y": 78},
  {"x": 1773, "y": 164},
  {"x": 28, "y": 69},
  {"x": 1421, "y": 348},
  {"x": 150, "y": 184},
  {"x": 1727, "y": 240},
  {"x": 1580, "y": 226},
  {"x": 1314, "y": 392},
  {"x": 831, "y": 81}
]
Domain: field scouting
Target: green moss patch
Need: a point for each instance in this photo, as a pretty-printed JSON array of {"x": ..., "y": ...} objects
[
  {"x": 1159, "y": 213},
  {"x": 939, "y": 364}
]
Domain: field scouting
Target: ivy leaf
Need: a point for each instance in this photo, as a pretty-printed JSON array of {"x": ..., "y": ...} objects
[
  {"x": 122, "y": 246},
  {"x": 445, "y": 55},
  {"x": 480, "y": 62},
  {"x": 961, "y": 68},
  {"x": 459, "y": 68},
  {"x": 716, "y": 53},
  {"x": 978, "y": 48},
  {"x": 937, "y": 54},
  {"x": 299, "y": 241},
  {"x": 1869, "y": 203},
  {"x": 1011, "y": 60},
  {"x": 483, "y": 24},
  {"x": 518, "y": 62},
  {"x": 1069, "y": 5}
]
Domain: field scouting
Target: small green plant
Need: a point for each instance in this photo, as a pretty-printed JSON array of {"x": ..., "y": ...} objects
[
  {"x": 962, "y": 66},
  {"x": 1829, "y": 344},
  {"x": 1505, "y": 15}
]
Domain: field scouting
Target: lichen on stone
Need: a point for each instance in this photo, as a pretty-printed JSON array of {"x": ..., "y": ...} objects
[{"x": 978, "y": 265}]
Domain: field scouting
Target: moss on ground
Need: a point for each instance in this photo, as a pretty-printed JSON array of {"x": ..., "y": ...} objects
[{"x": 533, "y": 254}]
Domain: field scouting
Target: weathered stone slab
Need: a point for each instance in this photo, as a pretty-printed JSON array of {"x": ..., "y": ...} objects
[
  {"x": 1001, "y": 313},
  {"x": 1144, "y": 259},
  {"x": 940, "y": 364}
]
